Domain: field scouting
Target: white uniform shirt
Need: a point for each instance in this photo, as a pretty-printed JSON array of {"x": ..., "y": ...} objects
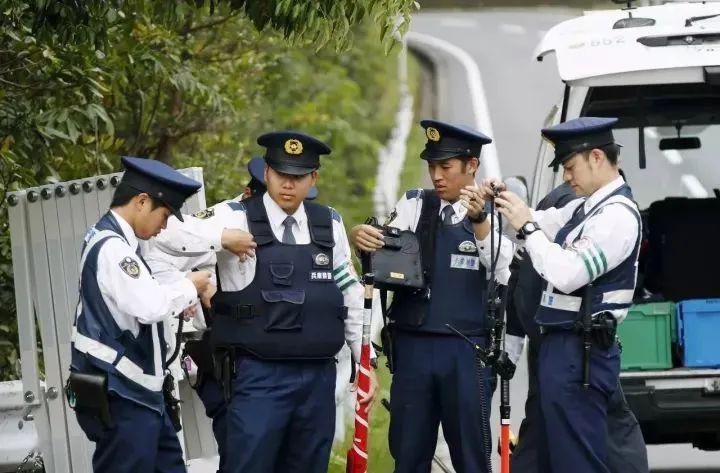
[
  {"x": 407, "y": 215},
  {"x": 608, "y": 238},
  {"x": 197, "y": 242},
  {"x": 138, "y": 299}
]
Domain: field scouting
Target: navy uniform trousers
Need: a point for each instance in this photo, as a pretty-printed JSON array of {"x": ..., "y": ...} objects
[
  {"x": 211, "y": 394},
  {"x": 281, "y": 418},
  {"x": 573, "y": 418},
  {"x": 626, "y": 452},
  {"x": 140, "y": 440},
  {"x": 435, "y": 382}
]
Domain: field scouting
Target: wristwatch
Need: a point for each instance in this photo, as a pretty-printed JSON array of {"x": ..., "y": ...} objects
[
  {"x": 480, "y": 218},
  {"x": 527, "y": 229}
]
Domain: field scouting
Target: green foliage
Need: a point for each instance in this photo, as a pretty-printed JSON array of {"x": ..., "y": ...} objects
[{"x": 192, "y": 84}]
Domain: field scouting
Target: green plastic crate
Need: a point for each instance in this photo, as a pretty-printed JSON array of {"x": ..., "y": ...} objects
[{"x": 645, "y": 335}]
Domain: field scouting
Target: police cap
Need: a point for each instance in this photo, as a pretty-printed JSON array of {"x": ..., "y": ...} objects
[
  {"x": 445, "y": 141},
  {"x": 159, "y": 181},
  {"x": 578, "y": 135},
  {"x": 291, "y": 152}
]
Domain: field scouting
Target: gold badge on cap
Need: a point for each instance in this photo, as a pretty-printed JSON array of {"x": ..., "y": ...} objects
[
  {"x": 293, "y": 147},
  {"x": 432, "y": 134}
]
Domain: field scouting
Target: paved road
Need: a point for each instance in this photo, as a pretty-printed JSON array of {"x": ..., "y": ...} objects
[{"x": 519, "y": 92}]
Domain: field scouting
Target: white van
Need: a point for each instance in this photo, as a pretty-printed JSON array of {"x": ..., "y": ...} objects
[{"x": 657, "y": 69}]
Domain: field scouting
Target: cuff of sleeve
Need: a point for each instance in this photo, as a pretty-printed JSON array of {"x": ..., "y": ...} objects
[
  {"x": 188, "y": 291},
  {"x": 215, "y": 239},
  {"x": 535, "y": 241}
]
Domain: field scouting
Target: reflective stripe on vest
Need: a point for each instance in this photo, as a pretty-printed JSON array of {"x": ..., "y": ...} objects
[
  {"x": 102, "y": 352},
  {"x": 123, "y": 366}
]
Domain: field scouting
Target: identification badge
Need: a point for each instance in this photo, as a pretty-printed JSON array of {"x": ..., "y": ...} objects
[
  {"x": 467, "y": 247},
  {"x": 321, "y": 276},
  {"x": 465, "y": 262}
]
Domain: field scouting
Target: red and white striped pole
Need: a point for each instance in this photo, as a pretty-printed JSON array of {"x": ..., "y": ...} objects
[{"x": 357, "y": 456}]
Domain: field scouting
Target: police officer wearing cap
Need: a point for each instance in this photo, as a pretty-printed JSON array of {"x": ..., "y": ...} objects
[
  {"x": 288, "y": 298},
  {"x": 626, "y": 447},
  {"x": 198, "y": 361},
  {"x": 586, "y": 252},
  {"x": 435, "y": 380},
  {"x": 118, "y": 347}
]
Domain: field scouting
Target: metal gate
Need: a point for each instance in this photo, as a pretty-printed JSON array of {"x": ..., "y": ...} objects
[{"x": 47, "y": 226}]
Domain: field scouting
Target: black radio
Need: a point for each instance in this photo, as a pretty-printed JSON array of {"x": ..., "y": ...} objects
[{"x": 397, "y": 265}]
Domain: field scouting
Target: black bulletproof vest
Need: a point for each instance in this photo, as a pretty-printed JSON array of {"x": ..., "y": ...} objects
[
  {"x": 457, "y": 284},
  {"x": 292, "y": 309}
]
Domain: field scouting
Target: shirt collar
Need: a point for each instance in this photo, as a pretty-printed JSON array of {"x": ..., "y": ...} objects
[
  {"x": 277, "y": 216},
  {"x": 127, "y": 230},
  {"x": 603, "y": 192},
  {"x": 457, "y": 206}
]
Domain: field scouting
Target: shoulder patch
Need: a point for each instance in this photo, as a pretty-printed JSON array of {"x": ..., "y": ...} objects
[
  {"x": 335, "y": 215},
  {"x": 237, "y": 206},
  {"x": 205, "y": 213},
  {"x": 413, "y": 194},
  {"x": 130, "y": 267}
]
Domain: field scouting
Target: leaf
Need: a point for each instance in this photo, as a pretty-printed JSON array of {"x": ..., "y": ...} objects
[{"x": 100, "y": 112}]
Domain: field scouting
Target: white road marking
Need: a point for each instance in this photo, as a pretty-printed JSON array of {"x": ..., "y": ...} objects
[
  {"x": 489, "y": 157},
  {"x": 510, "y": 28},
  {"x": 694, "y": 186}
]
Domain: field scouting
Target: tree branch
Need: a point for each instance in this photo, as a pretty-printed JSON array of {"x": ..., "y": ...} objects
[{"x": 208, "y": 25}]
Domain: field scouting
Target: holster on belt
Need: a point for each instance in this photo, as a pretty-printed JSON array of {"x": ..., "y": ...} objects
[
  {"x": 224, "y": 369},
  {"x": 172, "y": 404},
  {"x": 88, "y": 394},
  {"x": 604, "y": 329}
]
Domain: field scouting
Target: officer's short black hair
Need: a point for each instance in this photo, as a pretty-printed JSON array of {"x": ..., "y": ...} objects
[
  {"x": 124, "y": 194},
  {"x": 612, "y": 151}
]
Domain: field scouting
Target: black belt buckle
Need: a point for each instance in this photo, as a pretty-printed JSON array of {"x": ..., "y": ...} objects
[
  {"x": 88, "y": 394},
  {"x": 242, "y": 311}
]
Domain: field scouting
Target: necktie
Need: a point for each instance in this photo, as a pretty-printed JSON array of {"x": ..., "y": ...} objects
[
  {"x": 447, "y": 214},
  {"x": 288, "y": 238}
]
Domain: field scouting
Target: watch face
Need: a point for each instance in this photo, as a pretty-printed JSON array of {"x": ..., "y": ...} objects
[{"x": 529, "y": 227}]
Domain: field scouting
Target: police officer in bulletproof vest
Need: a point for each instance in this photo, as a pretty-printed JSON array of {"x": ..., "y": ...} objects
[
  {"x": 436, "y": 379},
  {"x": 586, "y": 252},
  {"x": 198, "y": 355},
  {"x": 626, "y": 446},
  {"x": 288, "y": 298},
  {"x": 118, "y": 346}
]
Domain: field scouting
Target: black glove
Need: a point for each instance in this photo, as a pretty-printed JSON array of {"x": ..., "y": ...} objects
[{"x": 504, "y": 367}]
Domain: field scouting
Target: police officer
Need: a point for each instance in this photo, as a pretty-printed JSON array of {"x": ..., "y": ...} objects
[
  {"x": 626, "y": 446},
  {"x": 288, "y": 297},
  {"x": 200, "y": 365},
  {"x": 436, "y": 379},
  {"x": 118, "y": 334},
  {"x": 587, "y": 254}
]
